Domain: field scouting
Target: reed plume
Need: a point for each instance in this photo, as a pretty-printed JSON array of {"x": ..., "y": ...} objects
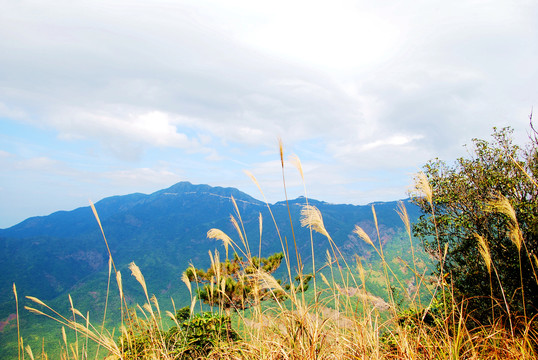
[
  {"x": 363, "y": 235},
  {"x": 311, "y": 217}
]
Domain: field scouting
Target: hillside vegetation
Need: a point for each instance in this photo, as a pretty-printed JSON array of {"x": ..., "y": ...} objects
[{"x": 362, "y": 296}]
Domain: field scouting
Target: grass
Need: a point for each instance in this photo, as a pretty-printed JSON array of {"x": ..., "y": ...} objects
[{"x": 343, "y": 315}]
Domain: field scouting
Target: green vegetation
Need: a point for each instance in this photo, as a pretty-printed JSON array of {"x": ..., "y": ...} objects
[
  {"x": 193, "y": 335},
  {"x": 384, "y": 303},
  {"x": 230, "y": 284},
  {"x": 485, "y": 227}
]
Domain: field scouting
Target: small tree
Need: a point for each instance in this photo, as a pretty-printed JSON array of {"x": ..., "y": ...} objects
[
  {"x": 237, "y": 284},
  {"x": 493, "y": 195}
]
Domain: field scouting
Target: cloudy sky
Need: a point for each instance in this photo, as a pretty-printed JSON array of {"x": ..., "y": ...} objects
[{"x": 99, "y": 98}]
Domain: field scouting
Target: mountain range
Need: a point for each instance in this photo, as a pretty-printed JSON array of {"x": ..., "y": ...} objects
[{"x": 64, "y": 253}]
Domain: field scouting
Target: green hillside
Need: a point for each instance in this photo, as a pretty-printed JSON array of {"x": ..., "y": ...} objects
[{"x": 64, "y": 253}]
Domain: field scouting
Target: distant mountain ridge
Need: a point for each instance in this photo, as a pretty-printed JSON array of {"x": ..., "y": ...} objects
[{"x": 119, "y": 203}]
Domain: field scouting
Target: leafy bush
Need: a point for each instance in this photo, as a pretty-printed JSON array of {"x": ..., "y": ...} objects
[
  {"x": 198, "y": 334},
  {"x": 192, "y": 337},
  {"x": 483, "y": 213}
]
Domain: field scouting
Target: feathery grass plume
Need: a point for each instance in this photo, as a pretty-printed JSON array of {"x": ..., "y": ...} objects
[
  {"x": 295, "y": 161},
  {"x": 71, "y": 303},
  {"x": 37, "y": 301},
  {"x": 83, "y": 329},
  {"x": 18, "y": 323},
  {"x": 156, "y": 303},
  {"x": 363, "y": 235},
  {"x": 253, "y": 178},
  {"x": 38, "y": 312},
  {"x": 102, "y": 232},
  {"x": 402, "y": 213},
  {"x": 170, "y": 315},
  {"x": 187, "y": 282},
  {"x": 501, "y": 204},
  {"x": 193, "y": 302},
  {"x": 29, "y": 351},
  {"x": 374, "y": 214},
  {"x": 120, "y": 285},
  {"x": 244, "y": 236},
  {"x": 76, "y": 311},
  {"x": 311, "y": 217},
  {"x": 281, "y": 149},
  {"x": 74, "y": 320},
  {"x": 238, "y": 229},
  {"x": 422, "y": 187},
  {"x": 147, "y": 307},
  {"x": 324, "y": 279},
  {"x": 135, "y": 271},
  {"x": 64, "y": 336},
  {"x": 61, "y": 319},
  {"x": 267, "y": 281},
  {"x": 221, "y": 235},
  {"x": 483, "y": 248}
]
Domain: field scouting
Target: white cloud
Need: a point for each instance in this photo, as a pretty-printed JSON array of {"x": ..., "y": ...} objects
[
  {"x": 5, "y": 154},
  {"x": 352, "y": 87},
  {"x": 8, "y": 112},
  {"x": 338, "y": 36},
  {"x": 395, "y": 141},
  {"x": 23, "y": 166},
  {"x": 126, "y": 134},
  {"x": 142, "y": 178}
]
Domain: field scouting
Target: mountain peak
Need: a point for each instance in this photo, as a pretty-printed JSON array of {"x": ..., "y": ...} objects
[{"x": 185, "y": 187}]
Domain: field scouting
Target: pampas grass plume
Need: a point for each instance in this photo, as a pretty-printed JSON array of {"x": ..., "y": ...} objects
[
  {"x": 311, "y": 217},
  {"x": 423, "y": 187},
  {"x": 501, "y": 204},
  {"x": 221, "y": 235},
  {"x": 363, "y": 235},
  {"x": 483, "y": 248},
  {"x": 186, "y": 281}
]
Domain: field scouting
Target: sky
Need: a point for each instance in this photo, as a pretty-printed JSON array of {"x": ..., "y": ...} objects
[{"x": 102, "y": 98}]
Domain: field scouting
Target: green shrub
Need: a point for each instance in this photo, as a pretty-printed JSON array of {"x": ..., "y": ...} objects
[
  {"x": 192, "y": 337},
  {"x": 198, "y": 334}
]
